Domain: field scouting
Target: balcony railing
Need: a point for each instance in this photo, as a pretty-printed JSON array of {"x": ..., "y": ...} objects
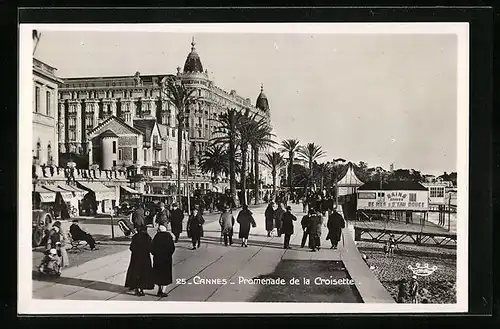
[
  {"x": 159, "y": 163},
  {"x": 157, "y": 146},
  {"x": 147, "y": 144}
]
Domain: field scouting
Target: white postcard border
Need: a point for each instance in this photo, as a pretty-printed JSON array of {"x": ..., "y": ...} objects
[{"x": 28, "y": 305}]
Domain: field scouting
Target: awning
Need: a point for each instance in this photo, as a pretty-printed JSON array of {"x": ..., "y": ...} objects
[
  {"x": 102, "y": 192},
  {"x": 45, "y": 195},
  {"x": 77, "y": 193},
  {"x": 130, "y": 190},
  {"x": 66, "y": 195}
]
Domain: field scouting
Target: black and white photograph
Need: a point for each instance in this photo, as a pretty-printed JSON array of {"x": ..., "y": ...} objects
[{"x": 274, "y": 167}]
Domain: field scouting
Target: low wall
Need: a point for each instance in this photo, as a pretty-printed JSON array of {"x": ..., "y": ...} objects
[{"x": 367, "y": 284}]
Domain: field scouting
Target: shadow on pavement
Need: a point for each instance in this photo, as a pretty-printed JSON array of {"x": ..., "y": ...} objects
[
  {"x": 91, "y": 284},
  {"x": 237, "y": 242}
]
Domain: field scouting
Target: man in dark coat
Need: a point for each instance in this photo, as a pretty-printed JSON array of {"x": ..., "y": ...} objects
[
  {"x": 315, "y": 230},
  {"x": 139, "y": 273},
  {"x": 305, "y": 227},
  {"x": 78, "y": 234},
  {"x": 269, "y": 214},
  {"x": 176, "y": 218},
  {"x": 287, "y": 226},
  {"x": 139, "y": 217},
  {"x": 226, "y": 223},
  {"x": 163, "y": 215},
  {"x": 278, "y": 214},
  {"x": 194, "y": 228},
  {"x": 335, "y": 225},
  {"x": 162, "y": 249}
]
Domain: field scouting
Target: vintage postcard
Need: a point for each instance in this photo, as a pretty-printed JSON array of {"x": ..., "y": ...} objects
[{"x": 283, "y": 168}]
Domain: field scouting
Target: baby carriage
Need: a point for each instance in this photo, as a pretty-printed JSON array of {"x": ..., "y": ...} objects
[{"x": 51, "y": 264}]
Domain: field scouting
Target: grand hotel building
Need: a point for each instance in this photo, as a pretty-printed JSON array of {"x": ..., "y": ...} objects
[{"x": 94, "y": 113}]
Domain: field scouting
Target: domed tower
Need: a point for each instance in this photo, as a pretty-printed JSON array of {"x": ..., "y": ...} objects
[
  {"x": 262, "y": 103},
  {"x": 193, "y": 62}
]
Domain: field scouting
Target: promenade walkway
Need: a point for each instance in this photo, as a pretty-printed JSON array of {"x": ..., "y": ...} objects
[{"x": 223, "y": 267}]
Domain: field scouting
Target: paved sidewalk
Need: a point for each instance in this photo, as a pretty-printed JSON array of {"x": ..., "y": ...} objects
[{"x": 103, "y": 278}]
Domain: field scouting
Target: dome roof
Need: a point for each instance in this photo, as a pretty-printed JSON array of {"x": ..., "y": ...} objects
[
  {"x": 262, "y": 102},
  {"x": 193, "y": 62}
]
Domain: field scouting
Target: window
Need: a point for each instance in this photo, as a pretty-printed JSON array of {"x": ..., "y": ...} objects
[
  {"x": 37, "y": 99},
  {"x": 413, "y": 197},
  {"x": 114, "y": 163},
  {"x": 38, "y": 149},
  {"x": 437, "y": 192},
  {"x": 173, "y": 132},
  {"x": 381, "y": 194},
  {"x": 145, "y": 155},
  {"x": 120, "y": 155},
  {"x": 47, "y": 102},
  {"x": 134, "y": 154},
  {"x": 199, "y": 133},
  {"x": 114, "y": 147}
]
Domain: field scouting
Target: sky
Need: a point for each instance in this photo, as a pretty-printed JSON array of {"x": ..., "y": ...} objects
[{"x": 377, "y": 98}]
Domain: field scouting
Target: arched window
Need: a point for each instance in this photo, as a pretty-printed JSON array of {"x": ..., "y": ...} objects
[
  {"x": 49, "y": 154},
  {"x": 38, "y": 149}
]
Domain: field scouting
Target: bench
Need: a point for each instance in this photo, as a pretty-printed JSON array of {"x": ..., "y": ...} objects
[{"x": 77, "y": 245}]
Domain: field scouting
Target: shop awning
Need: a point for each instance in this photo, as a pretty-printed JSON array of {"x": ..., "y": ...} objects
[
  {"x": 45, "y": 195},
  {"x": 77, "y": 193},
  {"x": 102, "y": 192},
  {"x": 66, "y": 195},
  {"x": 130, "y": 190}
]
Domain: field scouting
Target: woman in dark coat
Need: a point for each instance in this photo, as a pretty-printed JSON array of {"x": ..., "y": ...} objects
[
  {"x": 278, "y": 214},
  {"x": 162, "y": 249},
  {"x": 335, "y": 225},
  {"x": 194, "y": 228},
  {"x": 245, "y": 219},
  {"x": 139, "y": 273},
  {"x": 287, "y": 226},
  {"x": 269, "y": 214}
]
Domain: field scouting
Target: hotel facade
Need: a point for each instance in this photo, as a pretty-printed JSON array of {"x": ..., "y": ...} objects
[{"x": 120, "y": 121}]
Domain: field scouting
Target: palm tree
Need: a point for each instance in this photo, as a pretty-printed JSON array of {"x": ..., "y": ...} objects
[
  {"x": 262, "y": 140},
  {"x": 253, "y": 132},
  {"x": 181, "y": 97},
  {"x": 310, "y": 153},
  {"x": 226, "y": 133},
  {"x": 290, "y": 146},
  {"x": 215, "y": 160},
  {"x": 275, "y": 162}
]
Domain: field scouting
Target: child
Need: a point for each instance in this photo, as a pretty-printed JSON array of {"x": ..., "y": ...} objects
[
  {"x": 51, "y": 263},
  {"x": 392, "y": 244},
  {"x": 387, "y": 247}
]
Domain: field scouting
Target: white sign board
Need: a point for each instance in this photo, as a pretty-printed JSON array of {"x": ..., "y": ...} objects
[{"x": 393, "y": 200}]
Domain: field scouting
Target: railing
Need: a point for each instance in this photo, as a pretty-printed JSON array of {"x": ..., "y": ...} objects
[
  {"x": 55, "y": 173},
  {"x": 159, "y": 163},
  {"x": 157, "y": 146},
  {"x": 147, "y": 144}
]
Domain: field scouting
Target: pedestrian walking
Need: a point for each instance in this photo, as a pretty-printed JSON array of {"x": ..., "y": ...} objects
[
  {"x": 162, "y": 249},
  {"x": 278, "y": 214},
  {"x": 246, "y": 220},
  {"x": 194, "y": 228},
  {"x": 139, "y": 217},
  {"x": 287, "y": 226},
  {"x": 269, "y": 215},
  {"x": 305, "y": 222},
  {"x": 176, "y": 218},
  {"x": 139, "y": 273},
  {"x": 226, "y": 222},
  {"x": 163, "y": 216},
  {"x": 335, "y": 225},
  {"x": 315, "y": 230}
]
